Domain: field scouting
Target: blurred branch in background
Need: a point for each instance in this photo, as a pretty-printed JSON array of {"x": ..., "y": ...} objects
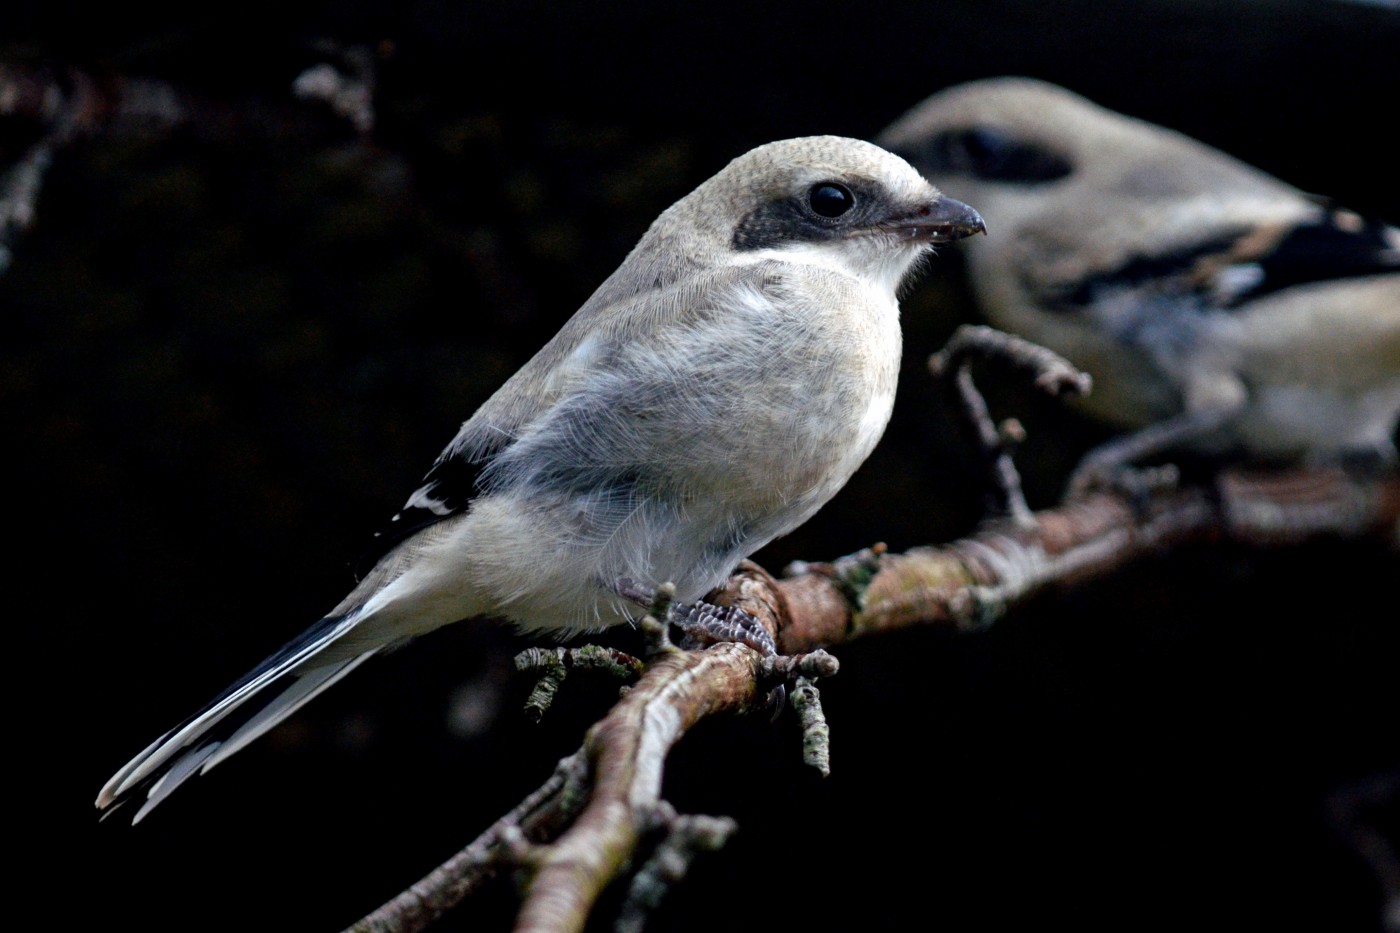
[
  {"x": 61, "y": 106},
  {"x": 60, "y": 110}
]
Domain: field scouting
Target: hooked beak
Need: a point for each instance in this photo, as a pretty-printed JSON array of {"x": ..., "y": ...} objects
[{"x": 941, "y": 221}]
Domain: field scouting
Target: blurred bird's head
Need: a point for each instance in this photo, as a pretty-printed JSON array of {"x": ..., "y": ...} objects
[{"x": 1070, "y": 186}]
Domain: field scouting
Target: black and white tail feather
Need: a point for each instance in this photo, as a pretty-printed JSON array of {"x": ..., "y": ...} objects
[
  {"x": 265, "y": 696},
  {"x": 308, "y": 664}
]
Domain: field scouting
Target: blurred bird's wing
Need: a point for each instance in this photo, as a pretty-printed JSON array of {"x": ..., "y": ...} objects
[
  {"x": 1337, "y": 244},
  {"x": 1189, "y": 312},
  {"x": 1232, "y": 262}
]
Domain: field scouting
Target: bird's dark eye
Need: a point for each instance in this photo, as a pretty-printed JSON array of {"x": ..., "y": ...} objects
[
  {"x": 830, "y": 199},
  {"x": 992, "y": 154},
  {"x": 986, "y": 147}
]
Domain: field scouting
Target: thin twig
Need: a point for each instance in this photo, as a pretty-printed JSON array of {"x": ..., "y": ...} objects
[
  {"x": 686, "y": 838},
  {"x": 539, "y": 816},
  {"x": 997, "y": 442}
]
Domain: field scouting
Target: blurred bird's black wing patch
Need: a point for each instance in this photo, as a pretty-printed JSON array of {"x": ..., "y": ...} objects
[
  {"x": 1341, "y": 245},
  {"x": 1168, "y": 272},
  {"x": 1231, "y": 269}
]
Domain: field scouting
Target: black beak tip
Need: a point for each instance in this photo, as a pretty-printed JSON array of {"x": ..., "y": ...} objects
[{"x": 962, "y": 219}]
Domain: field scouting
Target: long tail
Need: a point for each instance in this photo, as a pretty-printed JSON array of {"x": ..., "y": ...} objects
[{"x": 265, "y": 696}]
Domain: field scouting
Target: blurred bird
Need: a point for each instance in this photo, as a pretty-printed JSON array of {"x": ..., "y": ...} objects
[
  {"x": 710, "y": 396},
  {"x": 1219, "y": 310}
]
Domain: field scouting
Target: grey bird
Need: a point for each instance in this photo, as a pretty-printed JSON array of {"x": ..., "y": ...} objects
[
  {"x": 712, "y": 394},
  {"x": 1218, "y": 309}
]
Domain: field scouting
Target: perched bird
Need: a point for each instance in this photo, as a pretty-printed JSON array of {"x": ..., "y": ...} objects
[
  {"x": 1218, "y": 310},
  {"x": 711, "y": 395}
]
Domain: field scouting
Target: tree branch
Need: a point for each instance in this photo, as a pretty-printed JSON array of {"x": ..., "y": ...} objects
[{"x": 604, "y": 801}]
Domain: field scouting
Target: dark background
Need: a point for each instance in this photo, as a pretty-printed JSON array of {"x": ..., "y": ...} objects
[{"x": 232, "y": 347}]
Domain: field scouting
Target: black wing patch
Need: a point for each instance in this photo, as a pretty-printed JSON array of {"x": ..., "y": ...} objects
[
  {"x": 1343, "y": 245},
  {"x": 447, "y": 490},
  {"x": 1168, "y": 272},
  {"x": 1223, "y": 275}
]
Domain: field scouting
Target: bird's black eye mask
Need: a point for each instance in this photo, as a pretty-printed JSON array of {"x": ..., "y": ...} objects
[
  {"x": 825, "y": 210},
  {"x": 990, "y": 154}
]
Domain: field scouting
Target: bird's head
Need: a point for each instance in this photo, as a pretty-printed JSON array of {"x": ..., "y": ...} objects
[
  {"x": 830, "y": 201},
  {"x": 1066, "y": 180}
]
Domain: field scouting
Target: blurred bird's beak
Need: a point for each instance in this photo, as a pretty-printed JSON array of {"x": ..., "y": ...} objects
[{"x": 941, "y": 221}]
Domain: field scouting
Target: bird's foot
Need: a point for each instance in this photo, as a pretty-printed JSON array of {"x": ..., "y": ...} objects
[
  {"x": 703, "y": 623},
  {"x": 1117, "y": 464},
  {"x": 1133, "y": 482},
  {"x": 1370, "y": 462}
]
